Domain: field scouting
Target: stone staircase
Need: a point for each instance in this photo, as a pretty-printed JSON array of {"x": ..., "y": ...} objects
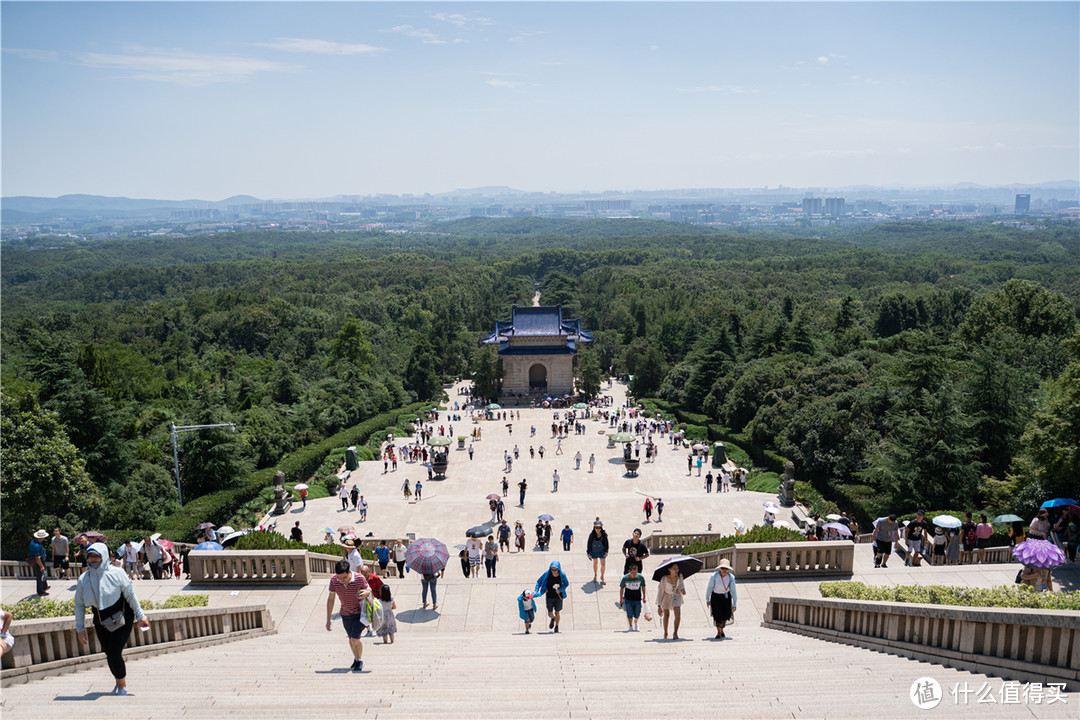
[{"x": 597, "y": 673}]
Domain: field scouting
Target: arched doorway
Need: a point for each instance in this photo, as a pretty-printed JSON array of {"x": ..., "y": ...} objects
[{"x": 538, "y": 377}]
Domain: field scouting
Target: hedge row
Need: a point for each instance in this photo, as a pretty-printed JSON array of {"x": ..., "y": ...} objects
[
  {"x": 39, "y": 607},
  {"x": 274, "y": 541},
  {"x": 221, "y": 506},
  {"x": 756, "y": 534},
  {"x": 1007, "y": 596},
  {"x": 805, "y": 494}
]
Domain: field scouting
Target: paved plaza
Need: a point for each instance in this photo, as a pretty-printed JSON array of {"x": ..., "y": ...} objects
[{"x": 469, "y": 657}]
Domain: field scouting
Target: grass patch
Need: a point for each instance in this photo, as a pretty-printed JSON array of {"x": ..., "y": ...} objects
[
  {"x": 763, "y": 482},
  {"x": 756, "y": 534}
]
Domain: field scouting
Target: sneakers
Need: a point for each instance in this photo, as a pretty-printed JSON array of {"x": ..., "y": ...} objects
[
  {"x": 551, "y": 623},
  {"x": 357, "y": 665},
  {"x": 556, "y": 628},
  {"x": 526, "y": 631},
  {"x": 119, "y": 690}
]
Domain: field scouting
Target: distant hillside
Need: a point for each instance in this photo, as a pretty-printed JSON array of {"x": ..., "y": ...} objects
[{"x": 27, "y": 208}]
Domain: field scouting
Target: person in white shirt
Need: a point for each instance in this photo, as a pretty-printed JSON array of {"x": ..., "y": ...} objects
[
  {"x": 399, "y": 557},
  {"x": 353, "y": 556}
]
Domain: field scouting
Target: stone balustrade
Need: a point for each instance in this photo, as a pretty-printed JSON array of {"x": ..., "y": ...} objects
[
  {"x": 766, "y": 560},
  {"x": 289, "y": 567},
  {"x": 659, "y": 543},
  {"x": 49, "y": 646},
  {"x": 1019, "y": 644}
]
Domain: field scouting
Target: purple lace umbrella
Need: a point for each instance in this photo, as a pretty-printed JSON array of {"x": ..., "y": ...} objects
[{"x": 1038, "y": 553}]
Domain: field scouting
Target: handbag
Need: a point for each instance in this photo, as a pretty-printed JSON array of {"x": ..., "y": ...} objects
[{"x": 112, "y": 618}]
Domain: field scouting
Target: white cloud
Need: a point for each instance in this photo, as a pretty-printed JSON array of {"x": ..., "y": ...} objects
[
  {"x": 180, "y": 66},
  {"x": 30, "y": 54},
  {"x": 523, "y": 36},
  {"x": 823, "y": 59},
  {"x": 423, "y": 34},
  {"x": 654, "y": 47},
  {"x": 459, "y": 20},
  {"x": 320, "y": 47},
  {"x": 511, "y": 84}
]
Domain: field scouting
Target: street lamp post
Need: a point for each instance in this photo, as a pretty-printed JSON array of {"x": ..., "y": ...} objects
[{"x": 177, "y": 429}]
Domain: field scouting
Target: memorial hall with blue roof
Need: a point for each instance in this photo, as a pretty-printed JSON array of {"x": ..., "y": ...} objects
[{"x": 537, "y": 348}]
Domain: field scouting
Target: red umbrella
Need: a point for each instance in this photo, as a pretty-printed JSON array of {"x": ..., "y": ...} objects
[
  {"x": 1074, "y": 509},
  {"x": 90, "y": 536},
  {"x": 493, "y": 496}
]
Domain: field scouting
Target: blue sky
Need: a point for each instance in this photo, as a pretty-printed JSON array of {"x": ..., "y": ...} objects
[{"x": 304, "y": 100}]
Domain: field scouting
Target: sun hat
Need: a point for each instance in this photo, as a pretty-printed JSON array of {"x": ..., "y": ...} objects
[
  {"x": 40, "y": 535},
  {"x": 724, "y": 563}
]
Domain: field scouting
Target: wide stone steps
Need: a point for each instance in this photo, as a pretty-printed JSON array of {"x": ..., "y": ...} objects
[{"x": 759, "y": 673}]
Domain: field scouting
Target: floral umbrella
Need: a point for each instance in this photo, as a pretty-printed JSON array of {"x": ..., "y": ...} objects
[{"x": 1038, "y": 553}]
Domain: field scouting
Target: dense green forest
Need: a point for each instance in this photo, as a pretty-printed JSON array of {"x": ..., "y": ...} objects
[{"x": 899, "y": 365}]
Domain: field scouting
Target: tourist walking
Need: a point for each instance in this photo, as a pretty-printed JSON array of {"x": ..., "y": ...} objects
[
  {"x": 632, "y": 596},
  {"x": 577, "y": 460},
  {"x": 491, "y": 556},
  {"x": 555, "y": 481},
  {"x": 475, "y": 549},
  {"x": 417, "y": 489},
  {"x": 553, "y": 584},
  {"x": 429, "y": 581},
  {"x": 60, "y": 549},
  {"x": 354, "y": 495},
  {"x": 885, "y": 534},
  {"x": 351, "y": 589},
  {"x": 363, "y": 509},
  {"x": 296, "y": 534},
  {"x": 648, "y": 509},
  {"x": 522, "y": 487},
  {"x": 406, "y": 489},
  {"x": 721, "y": 596},
  {"x": 519, "y": 536},
  {"x": 634, "y": 551},
  {"x": 36, "y": 560},
  {"x": 382, "y": 554},
  {"x": 108, "y": 591},
  {"x": 504, "y": 536},
  {"x": 505, "y": 486},
  {"x": 527, "y": 609},
  {"x": 389, "y": 624},
  {"x": 567, "y": 536},
  {"x": 983, "y": 532},
  {"x": 343, "y": 495},
  {"x": 669, "y": 598},
  {"x": 592, "y": 461},
  {"x": 597, "y": 549},
  {"x": 659, "y": 509}
]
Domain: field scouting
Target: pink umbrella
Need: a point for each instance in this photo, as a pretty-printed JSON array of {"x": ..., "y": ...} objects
[{"x": 1039, "y": 553}]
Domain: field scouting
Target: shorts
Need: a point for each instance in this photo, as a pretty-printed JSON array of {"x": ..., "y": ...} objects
[
  {"x": 130, "y": 567},
  {"x": 354, "y": 625},
  {"x": 968, "y": 547},
  {"x": 914, "y": 545},
  {"x": 883, "y": 547},
  {"x": 982, "y": 543},
  {"x": 8, "y": 640},
  {"x": 474, "y": 561},
  {"x": 382, "y": 564},
  {"x": 554, "y": 603},
  {"x": 530, "y": 616},
  {"x": 939, "y": 549},
  {"x": 632, "y": 608},
  {"x": 60, "y": 563},
  {"x": 597, "y": 556}
]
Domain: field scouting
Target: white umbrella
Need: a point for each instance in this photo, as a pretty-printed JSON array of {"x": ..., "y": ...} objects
[
  {"x": 832, "y": 516},
  {"x": 784, "y": 523},
  {"x": 155, "y": 537},
  {"x": 300, "y": 486},
  {"x": 771, "y": 506},
  {"x": 232, "y": 537},
  {"x": 738, "y": 524},
  {"x": 698, "y": 446},
  {"x": 227, "y": 530},
  {"x": 947, "y": 521}
]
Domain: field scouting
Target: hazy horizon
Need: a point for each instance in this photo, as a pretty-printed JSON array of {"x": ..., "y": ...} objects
[{"x": 206, "y": 101}]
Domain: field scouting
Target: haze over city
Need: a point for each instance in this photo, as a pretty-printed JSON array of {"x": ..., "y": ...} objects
[{"x": 299, "y": 100}]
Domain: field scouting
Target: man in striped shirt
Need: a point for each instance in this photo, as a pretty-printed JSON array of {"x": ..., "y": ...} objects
[{"x": 352, "y": 589}]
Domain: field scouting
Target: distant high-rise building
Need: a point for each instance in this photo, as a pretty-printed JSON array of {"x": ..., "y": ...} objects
[
  {"x": 1023, "y": 204},
  {"x": 834, "y": 207},
  {"x": 811, "y": 206}
]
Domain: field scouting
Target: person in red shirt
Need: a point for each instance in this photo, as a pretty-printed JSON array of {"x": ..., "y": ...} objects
[{"x": 351, "y": 589}]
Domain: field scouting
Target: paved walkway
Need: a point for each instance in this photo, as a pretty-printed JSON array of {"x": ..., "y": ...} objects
[{"x": 469, "y": 658}]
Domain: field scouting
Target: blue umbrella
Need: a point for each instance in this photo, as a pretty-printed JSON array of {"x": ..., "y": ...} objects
[
  {"x": 545, "y": 517},
  {"x": 1058, "y": 502},
  {"x": 208, "y": 546}
]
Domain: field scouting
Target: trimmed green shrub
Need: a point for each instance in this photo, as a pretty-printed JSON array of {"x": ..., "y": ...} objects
[
  {"x": 812, "y": 499},
  {"x": 274, "y": 541},
  {"x": 39, "y": 607},
  {"x": 1006, "y": 596},
  {"x": 756, "y": 534},
  {"x": 763, "y": 482},
  {"x": 697, "y": 433}
]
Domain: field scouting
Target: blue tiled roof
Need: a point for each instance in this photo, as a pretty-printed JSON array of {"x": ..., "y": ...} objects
[{"x": 542, "y": 321}]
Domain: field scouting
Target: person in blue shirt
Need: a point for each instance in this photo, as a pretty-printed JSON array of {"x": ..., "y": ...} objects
[
  {"x": 567, "y": 538},
  {"x": 527, "y": 609},
  {"x": 36, "y": 558},
  {"x": 553, "y": 584},
  {"x": 383, "y": 554}
]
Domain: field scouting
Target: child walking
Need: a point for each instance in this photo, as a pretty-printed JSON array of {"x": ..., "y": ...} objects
[
  {"x": 389, "y": 626},
  {"x": 527, "y": 609}
]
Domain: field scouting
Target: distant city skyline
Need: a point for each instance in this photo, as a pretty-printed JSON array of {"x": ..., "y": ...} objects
[{"x": 295, "y": 100}]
